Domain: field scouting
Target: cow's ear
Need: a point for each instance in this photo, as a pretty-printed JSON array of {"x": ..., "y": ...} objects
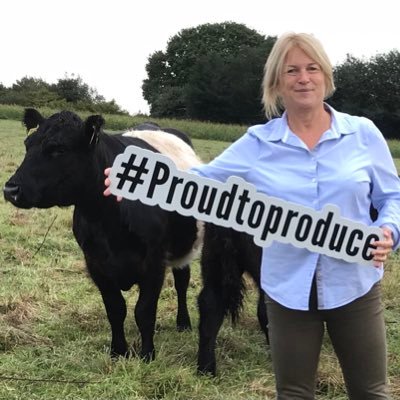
[
  {"x": 93, "y": 125},
  {"x": 31, "y": 119}
]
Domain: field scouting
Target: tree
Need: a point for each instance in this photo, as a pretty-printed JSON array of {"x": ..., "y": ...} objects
[
  {"x": 385, "y": 79},
  {"x": 3, "y": 93},
  {"x": 29, "y": 84},
  {"x": 29, "y": 91},
  {"x": 73, "y": 89},
  {"x": 187, "y": 54},
  {"x": 225, "y": 39},
  {"x": 169, "y": 104},
  {"x": 228, "y": 90},
  {"x": 371, "y": 88},
  {"x": 352, "y": 88},
  {"x": 158, "y": 77},
  {"x": 68, "y": 93}
]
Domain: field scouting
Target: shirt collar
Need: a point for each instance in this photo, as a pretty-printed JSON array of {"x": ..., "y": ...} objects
[
  {"x": 342, "y": 124},
  {"x": 279, "y": 130}
]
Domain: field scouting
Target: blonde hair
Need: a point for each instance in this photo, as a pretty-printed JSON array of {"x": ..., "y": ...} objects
[{"x": 274, "y": 66}]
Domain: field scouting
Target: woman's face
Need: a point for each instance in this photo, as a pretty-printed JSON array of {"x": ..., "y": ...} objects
[{"x": 302, "y": 83}]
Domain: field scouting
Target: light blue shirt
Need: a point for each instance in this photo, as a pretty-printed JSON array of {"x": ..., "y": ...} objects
[{"x": 350, "y": 166}]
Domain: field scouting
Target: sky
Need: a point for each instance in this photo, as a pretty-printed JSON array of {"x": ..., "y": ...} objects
[{"x": 108, "y": 42}]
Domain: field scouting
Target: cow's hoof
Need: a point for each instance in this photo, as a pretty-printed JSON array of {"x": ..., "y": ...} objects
[
  {"x": 184, "y": 327},
  {"x": 148, "y": 356},
  {"x": 183, "y": 322},
  {"x": 119, "y": 351},
  {"x": 114, "y": 355},
  {"x": 208, "y": 370}
]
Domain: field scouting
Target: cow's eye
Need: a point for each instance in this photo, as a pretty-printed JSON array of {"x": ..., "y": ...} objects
[
  {"x": 58, "y": 152},
  {"x": 55, "y": 150}
]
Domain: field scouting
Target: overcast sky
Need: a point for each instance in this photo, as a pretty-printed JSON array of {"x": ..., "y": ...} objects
[{"x": 108, "y": 42}]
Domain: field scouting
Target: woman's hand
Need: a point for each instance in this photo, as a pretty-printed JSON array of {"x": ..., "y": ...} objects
[
  {"x": 107, "y": 183},
  {"x": 383, "y": 247}
]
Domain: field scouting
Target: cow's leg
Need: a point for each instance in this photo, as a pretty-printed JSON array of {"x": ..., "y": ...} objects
[
  {"x": 145, "y": 312},
  {"x": 253, "y": 269},
  {"x": 115, "y": 306},
  {"x": 181, "y": 279},
  {"x": 211, "y": 317},
  {"x": 262, "y": 314}
]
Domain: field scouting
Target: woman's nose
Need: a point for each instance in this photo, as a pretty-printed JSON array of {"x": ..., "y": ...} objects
[{"x": 303, "y": 76}]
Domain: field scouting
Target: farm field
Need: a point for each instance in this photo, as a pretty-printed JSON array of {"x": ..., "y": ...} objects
[{"x": 54, "y": 332}]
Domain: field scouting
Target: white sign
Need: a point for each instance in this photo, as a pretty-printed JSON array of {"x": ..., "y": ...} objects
[{"x": 153, "y": 179}]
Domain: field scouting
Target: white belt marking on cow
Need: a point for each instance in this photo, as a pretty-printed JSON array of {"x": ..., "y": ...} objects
[{"x": 184, "y": 158}]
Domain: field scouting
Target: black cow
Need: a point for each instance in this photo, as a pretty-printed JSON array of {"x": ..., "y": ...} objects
[
  {"x": 123, "y": 243},
  {"x": 226, "y": 256}
]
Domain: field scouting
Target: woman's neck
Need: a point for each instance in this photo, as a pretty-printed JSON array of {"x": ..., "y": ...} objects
[{"x": 309, "y": 125}]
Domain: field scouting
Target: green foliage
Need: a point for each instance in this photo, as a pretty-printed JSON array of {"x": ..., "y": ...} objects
[
  {"x": 371, "y": 88},
  {"x": 169, "y": 103},
  {"x": 74, "y": 89},
  {"x": 30, "y": 85},
  {"x": 225, "y": 39},
  {"x": 208, "y": 60},
  {"x": 228, "y": 89},
  {"x": 69, "y": 92},
  {"x": 28, "y": 91},
  {"x": 158, "y": 77},
  {"x": 213, "y": 72},
  {"x": 11, "y": 112}
]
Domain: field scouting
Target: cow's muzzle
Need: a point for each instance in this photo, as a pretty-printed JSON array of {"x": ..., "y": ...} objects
[{"x": 12, "y": 193}]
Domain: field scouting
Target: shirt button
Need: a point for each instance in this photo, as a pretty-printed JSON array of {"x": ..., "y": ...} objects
[{"x": 313, "y": 180}]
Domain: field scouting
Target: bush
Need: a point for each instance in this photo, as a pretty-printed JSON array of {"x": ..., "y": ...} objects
[{"x": 388, "y": 124}]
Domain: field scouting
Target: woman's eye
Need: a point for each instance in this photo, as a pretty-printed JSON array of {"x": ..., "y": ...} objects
[
  {"x": 313, "y": 68},
  {"x": 291, "y": 71}
]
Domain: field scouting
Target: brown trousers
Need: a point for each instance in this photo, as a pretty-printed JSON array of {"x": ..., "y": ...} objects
[{"x": 357, "y": 333}]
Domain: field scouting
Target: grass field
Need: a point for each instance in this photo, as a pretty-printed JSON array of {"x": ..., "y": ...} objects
[{"x": 54, "y": 333}]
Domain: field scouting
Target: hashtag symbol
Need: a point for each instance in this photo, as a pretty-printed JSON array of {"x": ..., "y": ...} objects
[{"x": 130, "y": 166}]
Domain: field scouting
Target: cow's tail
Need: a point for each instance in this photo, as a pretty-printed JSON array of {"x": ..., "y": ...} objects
[
  {"x": 222, "y": 268},
  {"x": 232, "y": 273}
]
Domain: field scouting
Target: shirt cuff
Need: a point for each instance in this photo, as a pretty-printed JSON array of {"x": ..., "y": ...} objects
[{"x": 395, "y": 234}]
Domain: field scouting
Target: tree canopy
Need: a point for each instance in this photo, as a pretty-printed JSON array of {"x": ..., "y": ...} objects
[
  {"x": 68, "y": 92},
  {"x": 370, "y": 88},
  {"x": 228, "y": 90},
  {"x": 214, "y": 72},
  {"x": 198, "y": 71}
]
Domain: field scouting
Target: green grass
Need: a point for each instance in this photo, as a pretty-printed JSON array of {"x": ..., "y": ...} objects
[
  {"x": 395, "y": 149},
  {"x": 196, "y": 129},
  {"x": 54, "y": 335}
]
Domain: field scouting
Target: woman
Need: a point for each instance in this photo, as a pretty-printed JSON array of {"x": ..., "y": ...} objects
[{"x": 314, "y": 156}]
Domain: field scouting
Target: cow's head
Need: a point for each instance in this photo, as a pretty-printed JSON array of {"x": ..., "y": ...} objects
[{"x": 58, "y": 160}]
